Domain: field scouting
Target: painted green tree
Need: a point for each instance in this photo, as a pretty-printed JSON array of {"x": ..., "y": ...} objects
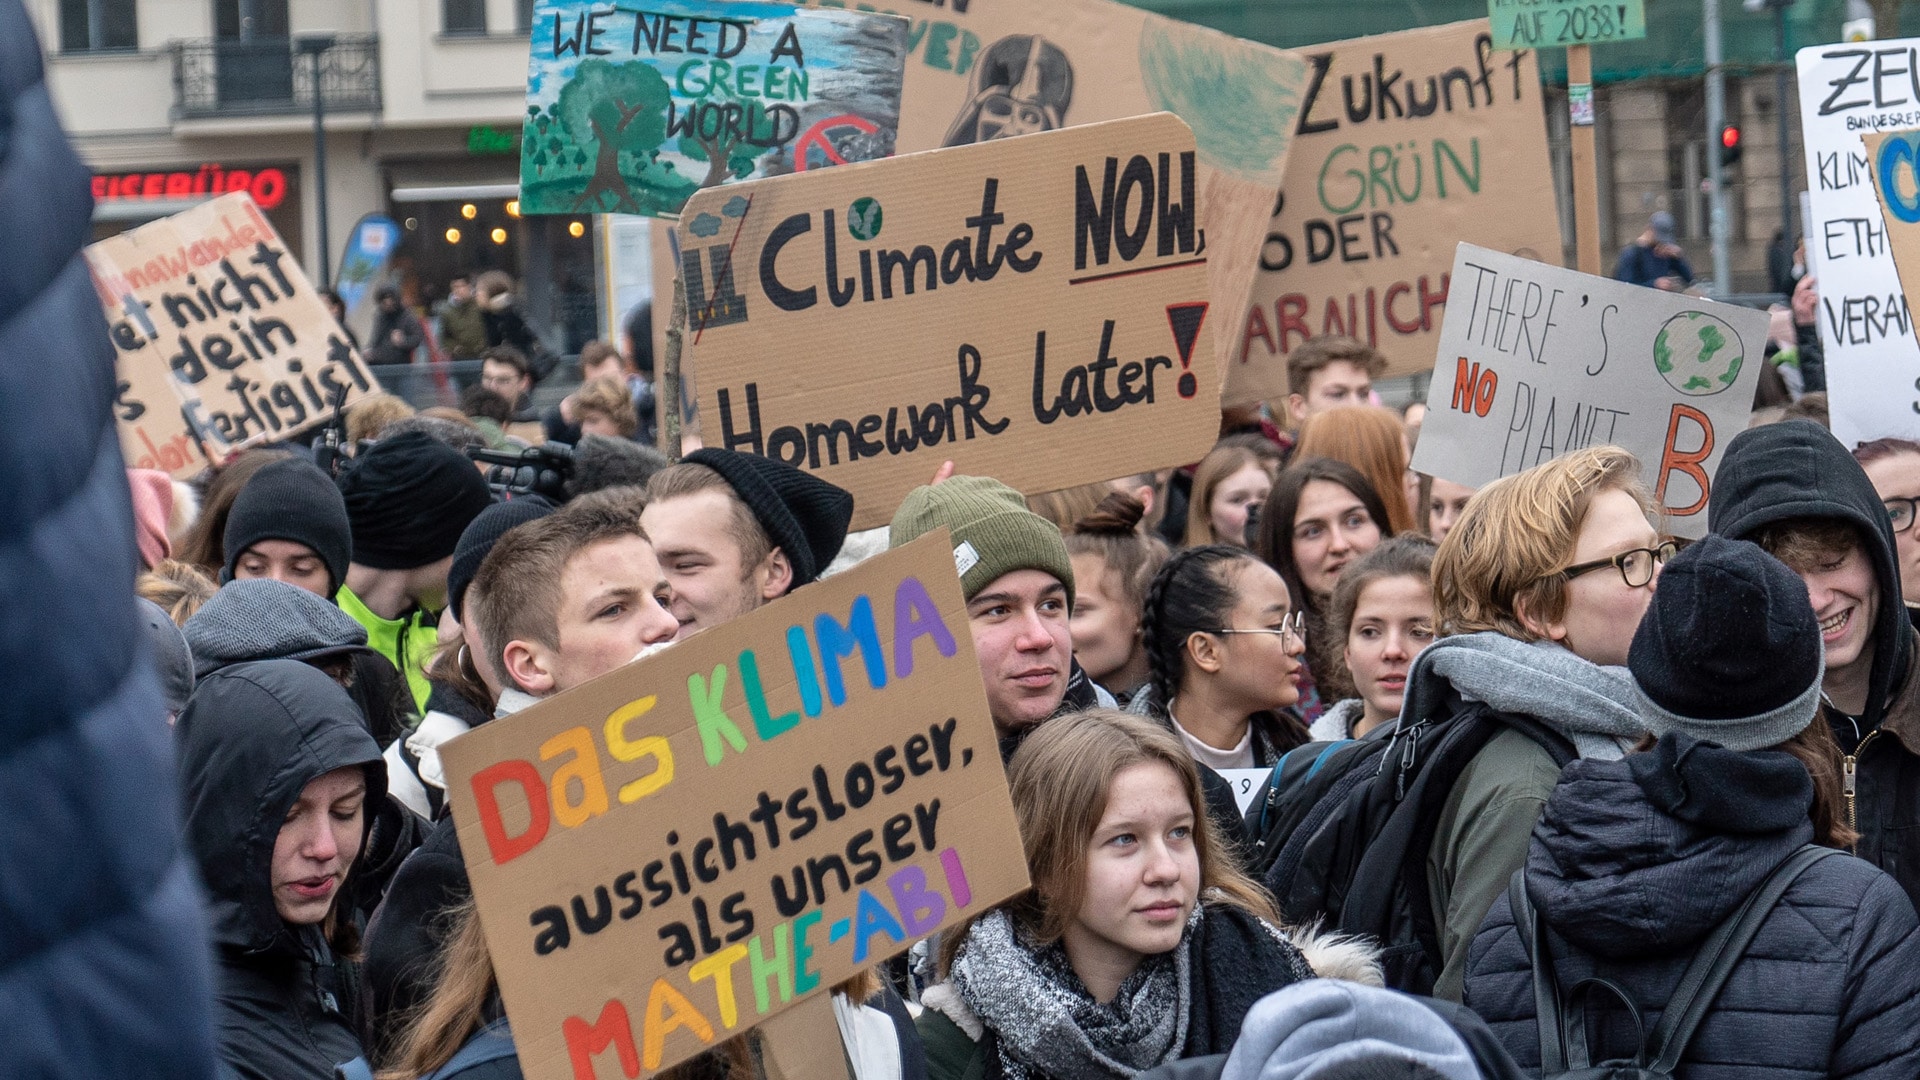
[
  {"x": 624, "y": 107},
  {"x": 727, "y": 154}
]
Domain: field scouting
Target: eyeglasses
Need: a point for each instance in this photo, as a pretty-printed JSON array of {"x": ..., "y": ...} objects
[
  {"x": 1902, "y": 513},
  {"x": 1636, "y": 566},
  {"x": 1293, "y": 626}
]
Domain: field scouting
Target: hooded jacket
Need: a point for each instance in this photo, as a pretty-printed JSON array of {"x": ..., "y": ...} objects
[
  {"x": 1637, "y": 861},
  {"x": 1793, "y": 470},
  {"x": 103, "y": 961},
  {"x": 251, "y": 739}
]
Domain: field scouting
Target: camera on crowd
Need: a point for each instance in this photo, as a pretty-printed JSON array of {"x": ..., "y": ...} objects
[{"x": 537, "y": 470}]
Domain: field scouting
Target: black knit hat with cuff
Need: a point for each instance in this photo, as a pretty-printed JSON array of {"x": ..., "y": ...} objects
[{"x": 804, "y": 516}]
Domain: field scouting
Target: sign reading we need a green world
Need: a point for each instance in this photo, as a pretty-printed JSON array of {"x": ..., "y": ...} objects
[{"x": 1534, "y": 24}]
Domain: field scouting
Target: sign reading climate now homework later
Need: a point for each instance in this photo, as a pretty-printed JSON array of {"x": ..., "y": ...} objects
[{"x": 1534, "y": 24}]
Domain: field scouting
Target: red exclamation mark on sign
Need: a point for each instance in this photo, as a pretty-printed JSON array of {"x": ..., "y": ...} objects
[{"x": 1185, "y": 320}]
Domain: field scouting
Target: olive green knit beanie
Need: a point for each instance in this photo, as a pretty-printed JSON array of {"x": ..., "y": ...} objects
[{"x": 993, "y": 531}]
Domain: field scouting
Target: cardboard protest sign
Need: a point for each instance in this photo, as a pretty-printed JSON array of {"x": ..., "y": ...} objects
[
  {"x": 1536, "y": 361},
  {"x": 1896, "y": 181},
  {"x": 1866, "y": 330},
  {"x": 1407, "y": 144},
  {"x": 1535, "y": 24},
  {"x": 678, "y": 850},
  {"x": 992, "y": 69},
  {"x": 633, "y": 109},
  {"x": 222, "y": 343},
  {"x": 985, "y": 304}
]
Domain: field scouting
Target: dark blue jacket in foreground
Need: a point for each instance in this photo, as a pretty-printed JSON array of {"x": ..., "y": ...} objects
[
  {"x": 104, "y": 966},
  {"x": 1635, "y": 861}
]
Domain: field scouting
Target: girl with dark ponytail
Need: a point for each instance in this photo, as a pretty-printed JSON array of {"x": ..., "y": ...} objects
[{"x": 1223, "y": 645}]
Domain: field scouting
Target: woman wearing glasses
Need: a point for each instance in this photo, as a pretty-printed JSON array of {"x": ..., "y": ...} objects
[
  {"x": 1893, "y": 466},
  {"x": 1223, "y": 656},
  {"x": 1537, "y": 590}
]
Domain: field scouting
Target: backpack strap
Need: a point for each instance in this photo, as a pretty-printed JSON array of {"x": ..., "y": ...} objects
[
  {"x": 491, "y": 1043},
  {"x": 1546, "y": 997},
  {"x": 1714, "y": 962}
]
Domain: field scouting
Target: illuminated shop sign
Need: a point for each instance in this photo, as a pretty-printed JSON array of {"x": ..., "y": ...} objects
[{"x": 267, "y": 185}]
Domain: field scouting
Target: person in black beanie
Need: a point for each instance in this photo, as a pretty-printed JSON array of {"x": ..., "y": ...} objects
[
  {"x": 289, "y": 524},
  {"x": 734, "y": 531},
  {"x": 408, "y": 499},
  {"x": 1635, "y": 863}
]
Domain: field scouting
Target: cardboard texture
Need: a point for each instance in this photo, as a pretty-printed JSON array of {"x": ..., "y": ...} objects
[
  {"x": 1537, "y": 360},
  {"x": 672, "y": 853},
  {"x": 633, "y": 109},
  {"x": 221, "y": 341},
  {"x": 993, "y": 69},
  {"x": 803, "y": 1043},
  {"x": 1896, "y": 181},
  {"x": 1372, "y": 208},
  {"x": 1535, "y": 24},
  {"x": 1866, "y": 330},
  {"x": 984, "y": 304}
]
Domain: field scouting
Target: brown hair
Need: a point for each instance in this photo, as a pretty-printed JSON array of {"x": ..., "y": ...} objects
[
  {"x": 1220, "y": 463},
  {"x": 515, "y": 593},
  {"x": 597, "y": 351},
  {"x": 1273, "y": 537},
  {"x": 1068, "y": 505},
  {"x": 1112, "y": 532},
  {"x": 510, "y": 356},
  {"x": 205, "y": 543},
  {"x": 1372, "y": 440},
  {"x": 687, "y": 478},
  {"x": 609, "y": 398},
  {"x": 371, "y": 415},
  {"x": 1869, "y": 452},
  {"x": 1407, "y": 555},
  {"x": 1061, "y": 778},
  {"x": 1805, "y": 542},
  {"x": 1518, "y": 533},
  {"x": 1316, "y": 353},
  {"x": 178, "y": 587},
  {"x": 452, "y": 665},
  {"x": 1811, "y": 406}
]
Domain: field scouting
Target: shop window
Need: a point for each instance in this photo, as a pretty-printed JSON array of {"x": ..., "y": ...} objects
[
  {"x": 464, "y": 16},
  {"x": 97, "y": 25}
]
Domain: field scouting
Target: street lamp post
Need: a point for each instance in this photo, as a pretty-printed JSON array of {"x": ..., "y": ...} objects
[{"x": 312, "y": 46}]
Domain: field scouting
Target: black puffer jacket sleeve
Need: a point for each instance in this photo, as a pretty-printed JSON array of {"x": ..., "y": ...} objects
[{"x": 1879, "y": 1035}]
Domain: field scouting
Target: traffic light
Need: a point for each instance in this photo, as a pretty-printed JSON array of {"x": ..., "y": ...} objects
[{"x": 1729, "y": 145}]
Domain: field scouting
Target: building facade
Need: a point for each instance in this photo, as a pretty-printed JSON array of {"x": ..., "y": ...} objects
[{"x": 174, "y": 101}]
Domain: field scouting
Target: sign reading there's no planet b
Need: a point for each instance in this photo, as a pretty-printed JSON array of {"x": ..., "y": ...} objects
[
  {"x": 990, "y": 305},
  {"x": 633, "y": 109},
  {"x": 1537, "y": 361}
]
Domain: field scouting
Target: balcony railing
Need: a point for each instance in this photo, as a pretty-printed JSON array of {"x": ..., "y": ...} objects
[{"x": 270, "y": 77}]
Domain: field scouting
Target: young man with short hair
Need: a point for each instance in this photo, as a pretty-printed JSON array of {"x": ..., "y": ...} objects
[
  {"x": 1794, "y": 489},
  {"x": 598, "y": 360},
  {"x": 505, "y": 371},
  {"x": 1328, "y": 372},
  {"x": 289, "y": 524},
  {"x": 463, "y": 328},
  {"x": 734, "y": 531},
  {"x": 1018, "y": 582},
  {"x": 408, "y": 499},
  {"x": 566, "y": 599}
]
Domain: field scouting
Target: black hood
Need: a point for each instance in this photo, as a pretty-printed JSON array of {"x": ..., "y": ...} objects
[
  {"x": 1797, "y": 469},
  {"x": 250, "y": 740},
  {"x": 1645, "y": 856}
]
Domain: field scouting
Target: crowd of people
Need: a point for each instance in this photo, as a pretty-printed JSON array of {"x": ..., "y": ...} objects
[{"x": 1606, "y": 741}]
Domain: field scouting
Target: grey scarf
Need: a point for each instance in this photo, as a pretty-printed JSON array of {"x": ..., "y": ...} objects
[
  {"x": 1592, "y": 705},
  {"x": 1046, "y": 1022}
]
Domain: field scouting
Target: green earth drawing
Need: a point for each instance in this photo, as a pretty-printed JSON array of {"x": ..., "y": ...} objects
[{"x": 1698, "y": 354}]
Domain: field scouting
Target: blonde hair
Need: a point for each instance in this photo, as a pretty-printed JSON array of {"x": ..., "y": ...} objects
[
  {"x": 608, "y": 397},
  {"x": 369, "y": 416},
  {"x": 178, "y": 587},
  {"x": 1221, "y": 463},
  {"x": 1068, "y": 505},
  {"x": 1372, "y": 440},
  {"x": 1061, "y": 778},
  {"x": 1511, "y": 542}
]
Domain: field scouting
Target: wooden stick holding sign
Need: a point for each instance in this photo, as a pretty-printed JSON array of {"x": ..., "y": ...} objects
[
  {"x": 1536, "y": 361},
  {"x": 688, "y": 846}
]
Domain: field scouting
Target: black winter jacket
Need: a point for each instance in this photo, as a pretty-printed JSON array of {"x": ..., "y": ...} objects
[
  {"x": 1797, "y": 470},
  {"x": 1635, "y": 862},
  {"x": 252, "y": 737},
  {"x": 103, "y": 956}
]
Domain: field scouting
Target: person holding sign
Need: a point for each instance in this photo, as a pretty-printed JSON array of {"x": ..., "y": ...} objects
[
  {"x": 735, "y": 531},
  {"x": 1794, "y": 490},
  {"x": 277, "y": 772},
  {"x": 1383, "y": 615},
  {"x": 1139, "y": 943},
  {"x": 1654, "y": 260}
]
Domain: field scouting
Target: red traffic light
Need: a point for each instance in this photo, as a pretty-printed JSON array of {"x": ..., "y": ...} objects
[{"x": 1730, "y": 137}]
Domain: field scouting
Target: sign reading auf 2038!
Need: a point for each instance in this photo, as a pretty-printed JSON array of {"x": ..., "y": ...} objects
[
  {"x": 984, "y": 304},
  {"x": 1533, "y": 24}
]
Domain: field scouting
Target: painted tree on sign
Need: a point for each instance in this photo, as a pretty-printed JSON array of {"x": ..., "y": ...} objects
[
  {"x": 727, "y": 154},
  {"x": 624, "y": 106}
]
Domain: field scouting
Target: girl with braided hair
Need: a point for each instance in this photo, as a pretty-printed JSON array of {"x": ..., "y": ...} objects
[{"x": 1223, "y": 645}]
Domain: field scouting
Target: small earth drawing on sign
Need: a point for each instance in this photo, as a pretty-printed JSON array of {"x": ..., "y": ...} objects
[
  {"x": 863, "y": 218},
  {"x": 1698, "y": 354}
]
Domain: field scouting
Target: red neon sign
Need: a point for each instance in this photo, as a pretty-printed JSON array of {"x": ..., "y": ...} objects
[{"x": 268, "y": 186}]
